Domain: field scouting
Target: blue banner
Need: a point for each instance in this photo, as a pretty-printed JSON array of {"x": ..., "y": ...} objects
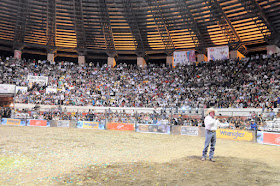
[
  {"x": 260, "y": 137},
  {"x": 9, "y": 121}
]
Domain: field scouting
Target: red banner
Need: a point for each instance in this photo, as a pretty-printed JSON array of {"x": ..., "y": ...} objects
[
  {"x": 42, "y": 123},
  {"x": 271, "y": 138},
  {"x": 120, "y": 126}
]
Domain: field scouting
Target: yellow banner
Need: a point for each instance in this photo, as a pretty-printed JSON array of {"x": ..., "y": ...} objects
[
  {"x": 238, "y": 135},
  {"x": 13, "y": 122},
  {"x": 90, "y": 125}
]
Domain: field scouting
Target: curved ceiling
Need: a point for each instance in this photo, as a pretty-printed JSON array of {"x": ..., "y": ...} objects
[{"x": 139, "y": 26}]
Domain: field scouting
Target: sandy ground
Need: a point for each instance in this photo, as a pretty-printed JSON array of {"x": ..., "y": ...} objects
[{"x": 69, "y": 156}]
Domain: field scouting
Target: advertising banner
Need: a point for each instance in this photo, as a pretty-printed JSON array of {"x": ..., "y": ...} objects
[
  {"x": 90, "y": 125},
  {"x": 63, "y": 123},
  {"x": 120, "y": 126},
  {"x": 9, "y": 121},
  {"x": 260, "y": 137},
  {"x": 40, "y": 123},
  {"x": 201, "y": 131},
  {"x": 17, "y": 54},
  {"x": 51, "y": 90},
  {"x": 21, "y": 88},
  {"x": 272, "y": 49},
  {"x": 183, "y": 57},
  {"x": 42, "y": 80},
  {"x": 271, "y": 138},
  {"x": 238, "y": 135},
  {"x": 190, "y": 131},
  {"x": 149, "y": 128},
  {"x": 53, "y": 123},
  {"x": 218, "y": 53},
  {"x": 176, "y": 129},
  {"x": 7, "y": 89}
]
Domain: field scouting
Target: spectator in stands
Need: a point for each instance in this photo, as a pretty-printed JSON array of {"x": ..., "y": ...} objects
[
  {"x": 254, "y": 125},
  {"x": 271, "y": 114},
  {"x": 278, "y": 114}
]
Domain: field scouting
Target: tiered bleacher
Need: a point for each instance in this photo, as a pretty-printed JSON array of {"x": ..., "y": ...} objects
[{"x": 247, "y": 83}]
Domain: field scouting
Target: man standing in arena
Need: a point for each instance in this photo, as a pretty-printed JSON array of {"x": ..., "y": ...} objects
[{"x": 210, "y": 134}]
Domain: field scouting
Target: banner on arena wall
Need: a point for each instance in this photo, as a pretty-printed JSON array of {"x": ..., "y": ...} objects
[
  {"x": 183, "y": 57},
  {"x": 190, "y": 131},
  {"x": 9, "y": 121},
  {"x": 7, "y": 89},
  {"x": 218, "y": 53},
  {"x": 238, "y": 135},
  {"x": 120, "y": 126},
  {"x": 17, "y": 54},
  {"x": 63, "y": 123},
  {"x": 38, "y": 123},
  {"x": 271, "y": 138},
  {"x": 90, "y": 125},
  {"x": 43, "y": 80},
  {"x": 176, "y": 129},
  {"x": 21, "y": 88},
  {"x": 51, "y": 90},
  {"x": 272, "y": 49},
  {"x": 260, "y": 137},
  {"x": 151, "y": 128}
]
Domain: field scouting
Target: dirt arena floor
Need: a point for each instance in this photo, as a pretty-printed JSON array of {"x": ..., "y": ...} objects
[{"x": 69, "y": 156}]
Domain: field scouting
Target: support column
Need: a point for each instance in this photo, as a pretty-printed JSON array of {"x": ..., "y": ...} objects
[
  {"x": 272, "y": 49},
  {"x": 201, "y": 57},
  {"x": 141, "y": 62},
  {"x": 111, "y": 61},
  {"x": 169, "y": 60},
  {"x": 234, "y": 54}
]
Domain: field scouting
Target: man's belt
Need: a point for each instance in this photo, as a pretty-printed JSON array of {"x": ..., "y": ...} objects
[{"x": 212, "y": 130}]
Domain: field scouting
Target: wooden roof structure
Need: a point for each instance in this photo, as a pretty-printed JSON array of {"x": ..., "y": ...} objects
[{"x": 141, "y": 27}]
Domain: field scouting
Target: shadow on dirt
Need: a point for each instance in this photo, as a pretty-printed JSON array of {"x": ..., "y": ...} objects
[{"x": 186, "y": 171}]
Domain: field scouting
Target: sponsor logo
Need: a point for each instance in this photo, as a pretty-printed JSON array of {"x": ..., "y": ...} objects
[
  {"x": 277, "y": 140},
  {"x": 120, "y": 126},
  {"x": 13, "y": 122},
  {"x": 38, "y": 123},
  {"x": 234, "y": 134},
  {"x": 90, "y": 125},
  {"x": 192, "y": 131}
]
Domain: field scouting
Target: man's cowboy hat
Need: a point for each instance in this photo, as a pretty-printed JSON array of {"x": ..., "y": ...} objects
[{"x": 210, "y": 110}]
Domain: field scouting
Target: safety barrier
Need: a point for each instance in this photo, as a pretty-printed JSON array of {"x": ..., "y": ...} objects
[{"x": 261, "y": 137}]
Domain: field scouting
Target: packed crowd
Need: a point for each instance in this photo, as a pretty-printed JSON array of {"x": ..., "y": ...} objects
[
  {"x": 254, "y": 121},
  {"x": 222, "y": 84}
]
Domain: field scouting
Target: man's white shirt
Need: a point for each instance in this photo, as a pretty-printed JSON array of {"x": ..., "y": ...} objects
[{"x": 211, "y": 123}]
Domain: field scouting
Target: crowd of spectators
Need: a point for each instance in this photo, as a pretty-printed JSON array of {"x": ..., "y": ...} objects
[
  {"x": 5, "y": 112},
  {"x": 222, "y": 84}
]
